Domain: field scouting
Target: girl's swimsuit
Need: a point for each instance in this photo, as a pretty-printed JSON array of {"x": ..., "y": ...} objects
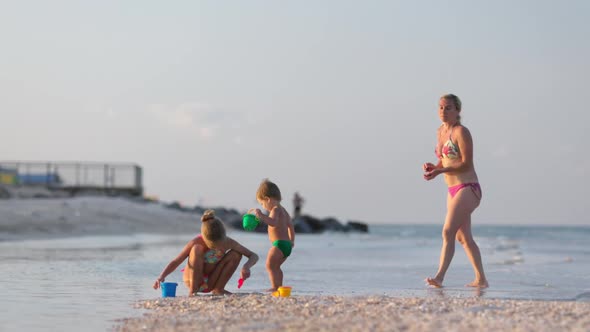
[
  {"x": 212, "y": 256},
  {"x": 451, "y": 151}
]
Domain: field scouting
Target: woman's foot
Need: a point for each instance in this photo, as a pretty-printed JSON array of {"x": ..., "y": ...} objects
[
  {"x": 478, "y": 284},
  {"x": 434, "y": 282},
  {"x": 272, "y": 290}
]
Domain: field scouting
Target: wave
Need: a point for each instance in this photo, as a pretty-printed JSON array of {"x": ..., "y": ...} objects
[{"x": 582, "y": 297}]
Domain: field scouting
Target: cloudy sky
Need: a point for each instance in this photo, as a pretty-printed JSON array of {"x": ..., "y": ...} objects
[{"x": 334, "y": 99}]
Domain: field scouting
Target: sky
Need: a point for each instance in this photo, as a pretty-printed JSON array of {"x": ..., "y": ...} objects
[{"x": 334, "y": 99}]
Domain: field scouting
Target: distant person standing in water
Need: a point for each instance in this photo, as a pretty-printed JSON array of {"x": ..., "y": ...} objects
[
  {"x": 454, "y": 150},
  {"x": 297, "y": 204}
]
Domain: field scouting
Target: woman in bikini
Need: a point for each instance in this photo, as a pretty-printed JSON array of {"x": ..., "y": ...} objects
[
  {"x": 454, "y": 150},
  {"x": 212, "y": 259}
]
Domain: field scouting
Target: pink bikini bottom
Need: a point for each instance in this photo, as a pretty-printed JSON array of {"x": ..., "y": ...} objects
[{"x": 473, "y": 185}]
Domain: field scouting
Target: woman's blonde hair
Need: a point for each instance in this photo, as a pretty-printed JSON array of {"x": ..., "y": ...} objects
[
  {"x": 212, "y": 228},
  {"x": 456, "y": 101},
  {"x": 268, "y": 189}
]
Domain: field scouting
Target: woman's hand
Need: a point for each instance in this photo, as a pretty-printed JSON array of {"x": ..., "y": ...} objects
[
  {"x": 428, "y": 167},
  {"x": 245, "y": 274},
  {"x": 429, "y": 175}
]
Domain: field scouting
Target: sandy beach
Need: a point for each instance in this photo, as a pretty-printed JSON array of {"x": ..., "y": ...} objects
[
  {"x": 262, "y": 312},
  {"x": 91, "y": 261}
]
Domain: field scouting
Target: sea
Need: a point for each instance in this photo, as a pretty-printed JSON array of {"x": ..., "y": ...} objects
[{"x": 90, "y": 283}]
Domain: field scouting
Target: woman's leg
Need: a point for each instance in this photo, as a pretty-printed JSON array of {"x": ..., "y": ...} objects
[
  {"x": 465, "y": 237},
  {"x": 459, "y": 209},
  {"x": 223, "y": 271}
]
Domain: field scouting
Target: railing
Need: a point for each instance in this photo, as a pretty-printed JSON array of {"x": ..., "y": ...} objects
[{"x": 74, "y": 177}]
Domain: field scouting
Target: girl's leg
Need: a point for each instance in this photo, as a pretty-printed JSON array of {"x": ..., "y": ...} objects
[
  {"x": 194, "y": 270},
  {"x": 223, "y": 271},
  {"x": 459, "y": 210},
  {"x": 465, "y": 237},
  {"x": 273, "y": 265}
]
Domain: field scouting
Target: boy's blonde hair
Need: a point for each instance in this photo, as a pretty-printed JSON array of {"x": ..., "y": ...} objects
[
  {"x": 268, "y": 189},
  {"x": 212, "y": 228}
]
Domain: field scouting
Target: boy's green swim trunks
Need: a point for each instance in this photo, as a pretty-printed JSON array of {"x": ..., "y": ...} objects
[{"x": 284, "y": 246}]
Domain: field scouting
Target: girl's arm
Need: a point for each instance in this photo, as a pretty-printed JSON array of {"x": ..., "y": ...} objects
[
  {"x": 174, "y": 263},
  {"x": 252, "y": 257}
]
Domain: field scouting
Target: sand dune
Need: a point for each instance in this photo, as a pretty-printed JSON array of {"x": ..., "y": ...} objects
[{"x": 63, "y": 217}]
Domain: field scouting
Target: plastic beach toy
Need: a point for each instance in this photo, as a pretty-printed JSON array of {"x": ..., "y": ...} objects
[
  {"x": 168, "y": 289},
  {"x": 240, "y": 283},
  {"x": 285, "y": 291},
  {"x": 249, "y": 222}
]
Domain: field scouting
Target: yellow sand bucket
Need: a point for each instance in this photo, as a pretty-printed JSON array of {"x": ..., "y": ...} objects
[{"x": 285, "y": 291}]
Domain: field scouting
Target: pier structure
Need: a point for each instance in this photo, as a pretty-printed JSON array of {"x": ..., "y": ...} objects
[{"x": 114, "y": 179}]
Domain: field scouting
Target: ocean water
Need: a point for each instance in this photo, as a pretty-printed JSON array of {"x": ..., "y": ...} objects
[{"x": 89, "y": 283}]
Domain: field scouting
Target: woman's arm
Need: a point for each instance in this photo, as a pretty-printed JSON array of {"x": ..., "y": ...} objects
[{"x": 428, "y": 167}]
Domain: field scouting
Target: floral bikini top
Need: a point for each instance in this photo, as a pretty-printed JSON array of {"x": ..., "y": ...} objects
[
  {"x": 448, "y": 150},
  {"x": 213, "y": 256}
]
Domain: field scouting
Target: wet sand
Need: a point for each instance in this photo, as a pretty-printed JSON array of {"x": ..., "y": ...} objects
[{"x": 262, "y": 312}]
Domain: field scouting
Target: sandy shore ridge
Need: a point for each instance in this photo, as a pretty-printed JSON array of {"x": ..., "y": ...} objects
[{"x": 261, "y": 312}]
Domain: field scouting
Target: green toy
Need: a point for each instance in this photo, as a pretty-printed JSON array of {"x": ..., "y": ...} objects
[{"x": 249, "y": 222}]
